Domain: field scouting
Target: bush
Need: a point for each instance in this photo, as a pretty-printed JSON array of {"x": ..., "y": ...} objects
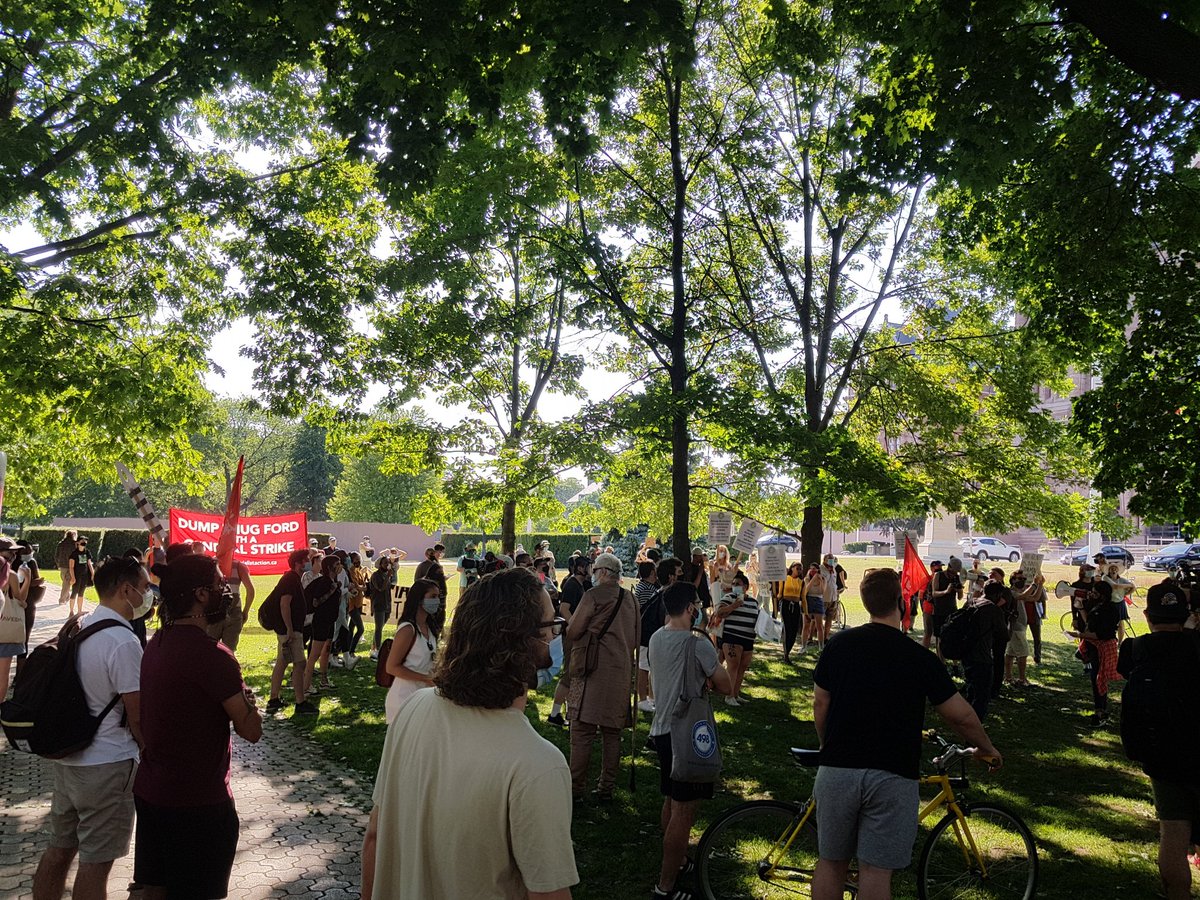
[
  {"x": 48, "y": 536},
  {"x": 117, "y": 541},
  {"x": 856, "y": 547},
  {"x": 323, "y": 539},
  {"x": 561, "y": 545}
]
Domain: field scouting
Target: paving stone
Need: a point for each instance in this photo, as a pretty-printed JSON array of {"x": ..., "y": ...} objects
[{"x": 302, "y": 819}]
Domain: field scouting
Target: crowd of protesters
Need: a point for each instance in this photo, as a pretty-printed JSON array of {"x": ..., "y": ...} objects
[{"x": 455, "y": 703}]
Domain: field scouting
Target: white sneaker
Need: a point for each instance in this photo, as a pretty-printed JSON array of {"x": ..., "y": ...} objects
[
  {"x": 646, "y": 705},
  {"x": 351, "y": 660},
  {"x": 732, "y": 701},
  {"x": 335, "y": 661},
  {"x": 375, "y": 654}
]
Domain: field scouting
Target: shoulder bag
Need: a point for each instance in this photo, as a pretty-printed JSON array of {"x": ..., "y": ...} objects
[
  {"x": 585, "y": 652},
  {"x": 695, "y": 751}
]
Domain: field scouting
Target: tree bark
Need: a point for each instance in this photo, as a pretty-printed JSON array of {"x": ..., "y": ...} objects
[
  {"x": 680, "y": 437},
  {"x": 812, "y": 536},
  {"x": 508, "y": 527}
]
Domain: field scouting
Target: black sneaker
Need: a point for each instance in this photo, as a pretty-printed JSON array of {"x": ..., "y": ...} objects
[
  {"x": 306, "y": 709},
  {"x": 274, "y": 705},
  {"x": 557, "y": 720}
]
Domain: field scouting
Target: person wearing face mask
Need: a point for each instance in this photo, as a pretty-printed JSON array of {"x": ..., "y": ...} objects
[
  {"x": 600, "y": 699},
  {"x": 92, "y": 812},
  {"x": 430, "y": 568},
  {"x": 835, "y": 583},
  {"x": 33, "y": 585},
  {"x": 815, "y": 590},
  {"x": 1095, "y": 619},
  {"x": 414, "y": 646},
  {"x": 466, "y": 745},
  {"x": 322, "y": 596},
  {"x": 668, "y": 654},
  {"x": 14, "y": 596},
  {"x": 83, "y": 570},
  {"x": 740, "y": 617},
  {"x": 187, "y": 823}
]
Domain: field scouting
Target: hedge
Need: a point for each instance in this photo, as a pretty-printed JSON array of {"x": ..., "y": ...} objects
[
  {"x": 856, "y": 547},
  {"x": 101, "y": 541},
  {"x": 561, "y": 545}
]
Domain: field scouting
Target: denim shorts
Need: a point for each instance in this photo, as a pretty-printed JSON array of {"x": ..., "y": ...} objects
[{"x": 816, "y": 605}]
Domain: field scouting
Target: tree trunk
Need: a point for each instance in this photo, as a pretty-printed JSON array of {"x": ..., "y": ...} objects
[
  {"x": 812, "y": 536},
  {"x": 680, "y": 405},
  {"x": 680, "y": 484},
  {"x": 508, "y": 527}
]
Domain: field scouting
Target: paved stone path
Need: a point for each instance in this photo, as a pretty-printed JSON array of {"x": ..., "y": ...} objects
[{"x": 302, "y": 821}]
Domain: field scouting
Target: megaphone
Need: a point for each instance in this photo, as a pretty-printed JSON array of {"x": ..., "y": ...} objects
[{"x": 1063, "y": 590}]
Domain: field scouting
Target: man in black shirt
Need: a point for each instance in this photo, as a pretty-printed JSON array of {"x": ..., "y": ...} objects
[
  {"x": 870, "y": 688},
  {"x": 1164, "y": 733},
  {"x": 946, "y": 589},
  {"x": 1096, "y": 618},
  {"x": 578, "y": 580},
  {"x": 989, "y": 631},
  {"x": 286, "y": 605}
]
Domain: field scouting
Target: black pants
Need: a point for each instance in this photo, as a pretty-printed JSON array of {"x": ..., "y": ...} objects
[
  {"x": 352, "y": 633},
  {"x": 998, "y": 648},
  {"x": 1035, "y": 631},
  {"x": 791, "y": 615},
  {"x": 380, "y": 611},
  {"x": 978, "y": 690}
]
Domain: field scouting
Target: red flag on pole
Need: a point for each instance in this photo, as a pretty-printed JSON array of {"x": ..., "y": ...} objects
[
  {"x": 913, "y": 578},
  {"x": 228, "y": 538}
]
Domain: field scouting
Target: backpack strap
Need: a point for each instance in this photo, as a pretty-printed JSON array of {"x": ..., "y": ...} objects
[{"x": 85, "y": 633}]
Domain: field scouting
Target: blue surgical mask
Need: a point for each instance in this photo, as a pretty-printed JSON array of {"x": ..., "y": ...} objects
[
  {"x": 696, "y": 617},
  {"x": 737, "y": 592},
  {"x": 307, "y": 567},
  {"x": 432, "y": 604}
]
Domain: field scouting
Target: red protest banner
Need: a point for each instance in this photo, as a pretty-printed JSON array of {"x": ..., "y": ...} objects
[{"x": 263, "y": 542}]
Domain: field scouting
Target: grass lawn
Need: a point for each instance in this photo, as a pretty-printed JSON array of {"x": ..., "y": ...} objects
[{"x": 1089, "y": 808}]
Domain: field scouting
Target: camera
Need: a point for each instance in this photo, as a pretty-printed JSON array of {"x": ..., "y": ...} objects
[{"x": 1186, "y": 573}]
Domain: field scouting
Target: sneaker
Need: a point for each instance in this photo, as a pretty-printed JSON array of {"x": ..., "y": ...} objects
[
  {"x": 743, "y": 700},
  {"x": 351, "y": 660},
  {"x": 274, "y": 705},
  {"x": 646, "y": 705},
  {"x": 557, "y": 720},
  {"x": 732, "y": 701},
  {"x": 312, "y": 689},
  {"x": 375, "y": 653},
  {"x": 335, "y": 661},
  {"x": 326, "y": 684},
  {"x": 306, "y": 709}
]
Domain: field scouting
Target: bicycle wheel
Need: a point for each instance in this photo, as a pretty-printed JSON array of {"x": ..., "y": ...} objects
[
  {"x": 948, "y": 870},
  {"x": 742, "y": 855}
]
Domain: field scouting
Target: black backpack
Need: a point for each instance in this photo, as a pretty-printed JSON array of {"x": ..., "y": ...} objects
[
  {"x": 958, "y": 633},
  {"x": 48, "y": 713},
  {"x": 1160, "y": 712},
  {"x": 269, "y": 615}
]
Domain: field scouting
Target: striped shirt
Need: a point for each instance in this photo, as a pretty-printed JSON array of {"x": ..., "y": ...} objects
[
  {"x": 742, "y": 621},
  {"x": 643, "y": 591}
]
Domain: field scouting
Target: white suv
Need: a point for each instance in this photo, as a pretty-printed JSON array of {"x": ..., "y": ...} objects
[{"x": 985, "y": 548}]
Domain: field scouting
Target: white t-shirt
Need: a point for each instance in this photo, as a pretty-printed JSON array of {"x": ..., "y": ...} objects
[
  {"x": 472, "y": 804},
  {"x": 109, "y": 662}
]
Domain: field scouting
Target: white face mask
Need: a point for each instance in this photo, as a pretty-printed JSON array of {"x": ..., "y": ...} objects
[
  {"x": 737, "y": 591},
  {"x": 432, "y": 604}
]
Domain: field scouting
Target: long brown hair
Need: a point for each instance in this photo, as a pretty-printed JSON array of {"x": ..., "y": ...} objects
[{"x": 487, "y": 661}]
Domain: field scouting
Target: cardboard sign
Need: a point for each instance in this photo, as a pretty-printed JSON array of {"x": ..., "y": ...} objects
[
  {"x": 720, "y": 527},
  {"x": 772, "y": 562},
  {"x": 1031, "y": 566},
  {"x": 263, "y": 542},
  {"x": 747, "y": 536}
]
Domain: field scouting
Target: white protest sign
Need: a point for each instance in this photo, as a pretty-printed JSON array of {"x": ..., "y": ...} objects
[
  {"x": 720, "y": 527},
  {"x": 772, "y": 562},
  {"x": 1031, "y": 566},
  {"x": 747, "y": 536}
]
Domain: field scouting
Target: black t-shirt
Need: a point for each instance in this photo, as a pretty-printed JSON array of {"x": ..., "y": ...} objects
[
  {"x": 290, "y": 585},
  {"x": 323, "y": 597},
  {"x": 82, "y": 558},
  {"x": 570, "y": 594},
  {"x": 878, "y": 681},
  {"x": 1101, "y": 615},
  {"x": 943, "y": 606},
  {"x": 989, "y": 626}
]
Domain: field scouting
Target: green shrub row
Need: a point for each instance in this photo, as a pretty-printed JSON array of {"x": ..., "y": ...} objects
[
  {"x": 561, "y": 545},
  {"x": 101, "y": 541},
  {"x": 856, "y": 547}
]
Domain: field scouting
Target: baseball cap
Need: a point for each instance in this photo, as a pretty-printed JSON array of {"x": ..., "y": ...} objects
[
  {"x": 7, "y": 543},
  {"x": 936, "y": 562},
  {"x": 1166, "y": 600}
]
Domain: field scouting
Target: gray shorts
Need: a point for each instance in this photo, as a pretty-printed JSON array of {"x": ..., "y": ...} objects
[
  {"x": 866, "y": 814},
  {"x": 92, "y": 809}
]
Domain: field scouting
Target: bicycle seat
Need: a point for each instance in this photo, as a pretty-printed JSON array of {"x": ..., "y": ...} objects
[{"x": 808, "y": 758}]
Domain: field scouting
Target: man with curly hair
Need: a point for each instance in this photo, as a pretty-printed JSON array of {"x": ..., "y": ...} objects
[{"x": 470, "y": 801}]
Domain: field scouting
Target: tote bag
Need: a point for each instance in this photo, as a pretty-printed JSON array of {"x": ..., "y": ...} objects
[
  {"x": 695, "y": 750},
  {"x": 12, "y": 621}
]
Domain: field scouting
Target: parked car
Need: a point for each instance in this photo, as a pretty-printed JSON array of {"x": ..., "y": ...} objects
[
  {"x": 1164, "y": 558},
  {"x": 984, "y": 548},
  {"x": 793, "y": 545},
  {"x": 1077, "y": 556}
]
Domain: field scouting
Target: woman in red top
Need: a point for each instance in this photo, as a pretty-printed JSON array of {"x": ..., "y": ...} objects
[{"x": 192, "y": 690}]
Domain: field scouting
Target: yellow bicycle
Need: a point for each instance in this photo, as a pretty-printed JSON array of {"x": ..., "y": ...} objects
[{"x": 767, "y": 849}]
